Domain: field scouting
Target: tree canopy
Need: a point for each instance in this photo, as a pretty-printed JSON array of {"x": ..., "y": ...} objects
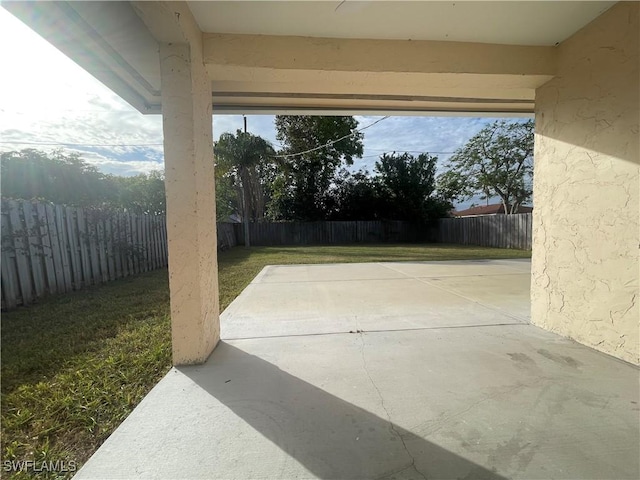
[
  {"x": 498, "y": 161},
  {"x": 65, "y": 178},
  {"x": 142, "y": 193},
  {"x": 243, "y": 157},
  {"x": 57, "y": 177},
  {"x": 306, "y": 171},
  {"x": 402, "y": 187},
  {"x": 408, "y": 184}
]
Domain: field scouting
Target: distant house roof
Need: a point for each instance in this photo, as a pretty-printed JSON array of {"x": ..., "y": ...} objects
[{"x": 494, "y": 209}]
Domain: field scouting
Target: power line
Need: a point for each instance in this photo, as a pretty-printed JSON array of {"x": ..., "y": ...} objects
[
  {"x": 328, "y": 144},
  {"x": 61, "y": 144},
  {"x": 386, "y": 150},
  {"x": 404, "y": 151}
]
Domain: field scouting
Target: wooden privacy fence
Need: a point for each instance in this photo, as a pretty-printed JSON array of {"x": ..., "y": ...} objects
[
  {"x": 501, "y": 231},
  {"x": 327, "y": 233},
  {"x": 50, "y": 249},
  {"x": 226, "y": 236}
]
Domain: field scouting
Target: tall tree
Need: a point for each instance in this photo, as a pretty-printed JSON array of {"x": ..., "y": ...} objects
[
  {"x": 355, "y": 196},
  {"x": 498, "y": 161},
  {"x": 240, "y": 156},
  {"x": 306, "y": 170},
  {"x": 407, "y": 184}
]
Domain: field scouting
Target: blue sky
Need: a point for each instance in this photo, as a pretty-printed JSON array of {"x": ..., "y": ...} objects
[{"x": 51, "y": 101}]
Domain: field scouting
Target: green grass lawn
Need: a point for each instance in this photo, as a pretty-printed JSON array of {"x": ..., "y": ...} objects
[{"x": 75, "y": 365}]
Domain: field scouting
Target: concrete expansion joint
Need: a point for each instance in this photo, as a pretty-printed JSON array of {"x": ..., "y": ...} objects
[
  {"x": 386, "y": 330},
  {"x": 392, "y": 427}
]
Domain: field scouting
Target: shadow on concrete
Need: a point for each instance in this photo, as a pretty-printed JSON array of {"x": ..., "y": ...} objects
[{"x": 330, "y": 437}]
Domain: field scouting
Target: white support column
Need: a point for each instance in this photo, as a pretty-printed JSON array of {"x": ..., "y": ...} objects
[{"x": 188, "y": 153}]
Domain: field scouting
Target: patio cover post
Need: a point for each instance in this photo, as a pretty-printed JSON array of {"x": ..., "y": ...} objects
[{"x": 191, "y": 226}]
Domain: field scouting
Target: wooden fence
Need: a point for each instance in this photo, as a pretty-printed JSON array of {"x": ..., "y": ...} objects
[
  {"x": 501, "y": 231},
  {"x": 50, "y": 249},
  {"x": 327, "y": 233},
  {"x": 227, "y": 237}
]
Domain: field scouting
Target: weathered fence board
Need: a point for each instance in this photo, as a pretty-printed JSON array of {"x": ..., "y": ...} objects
[
  {"x": 72, "y": 247},
  {"x": 56, "y": 257},
  {"x": 108, "y": 244},
  {"x": 34, "y": 248},
  {"x": 83, "y": 246},
  {"x": 226, "y": 236},
  {"x": 125, "y": 239},
  {"x": 501, "y": 231},
  {"x": 47, "y": 249},
  {"x": 146, "y": 241},
  {"x": 10, "y": 287},
  {"x": 93, "y": 249},
  {"x": 20, "y": 248}
]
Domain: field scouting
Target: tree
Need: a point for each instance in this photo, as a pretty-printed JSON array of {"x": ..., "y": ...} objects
[
  {"x": 498, "y": 161},
  {"x": 240, "y": 156},
  {"x": 226, "y": 198},
  {"x": 143, "y": 193},
  {"x": 354, "y": 196},
  {"x": 66, "y": 179},
  {"x": 407, "y": 185},
  {"x": 300, "y": 189},
  {"x": 56, "y": 177}
]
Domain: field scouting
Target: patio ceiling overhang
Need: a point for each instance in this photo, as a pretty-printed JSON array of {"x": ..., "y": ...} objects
[{"x": 322, "y": 57}]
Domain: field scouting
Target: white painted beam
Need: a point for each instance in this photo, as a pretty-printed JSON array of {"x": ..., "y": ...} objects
[{"x": 361, "y": 55}]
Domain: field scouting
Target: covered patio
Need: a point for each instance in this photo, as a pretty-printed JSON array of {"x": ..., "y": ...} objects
[
  {"x": 392, "y": 370},
  {"x": 572, "y": 64}
]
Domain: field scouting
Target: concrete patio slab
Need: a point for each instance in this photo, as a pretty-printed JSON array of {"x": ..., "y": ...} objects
[
  {"x": 320, "y": 299},
  {"x": 474, "y": 401}
]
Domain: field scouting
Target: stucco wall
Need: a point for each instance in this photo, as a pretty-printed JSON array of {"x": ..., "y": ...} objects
[{"x": 586, "y": 220}]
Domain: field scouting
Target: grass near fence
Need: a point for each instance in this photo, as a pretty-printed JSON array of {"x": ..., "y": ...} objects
[{"x": 74, "y": 366}]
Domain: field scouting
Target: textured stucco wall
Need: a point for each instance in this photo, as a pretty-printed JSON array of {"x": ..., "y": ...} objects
[
  {"x": 191, "y": 226},
  {"x": 586, "y": 220}
]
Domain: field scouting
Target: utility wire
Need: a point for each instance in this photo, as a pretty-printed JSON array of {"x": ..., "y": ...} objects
[
  {"x": 328, "y": 144},
  {"x": 387, "y": 150},
  {"x": 61, "y": 144},
  {"x": 395, "y": 150}
]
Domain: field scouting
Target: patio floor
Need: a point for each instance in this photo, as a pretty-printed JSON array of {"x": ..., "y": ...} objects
[{"x": 391, "y": 370}]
